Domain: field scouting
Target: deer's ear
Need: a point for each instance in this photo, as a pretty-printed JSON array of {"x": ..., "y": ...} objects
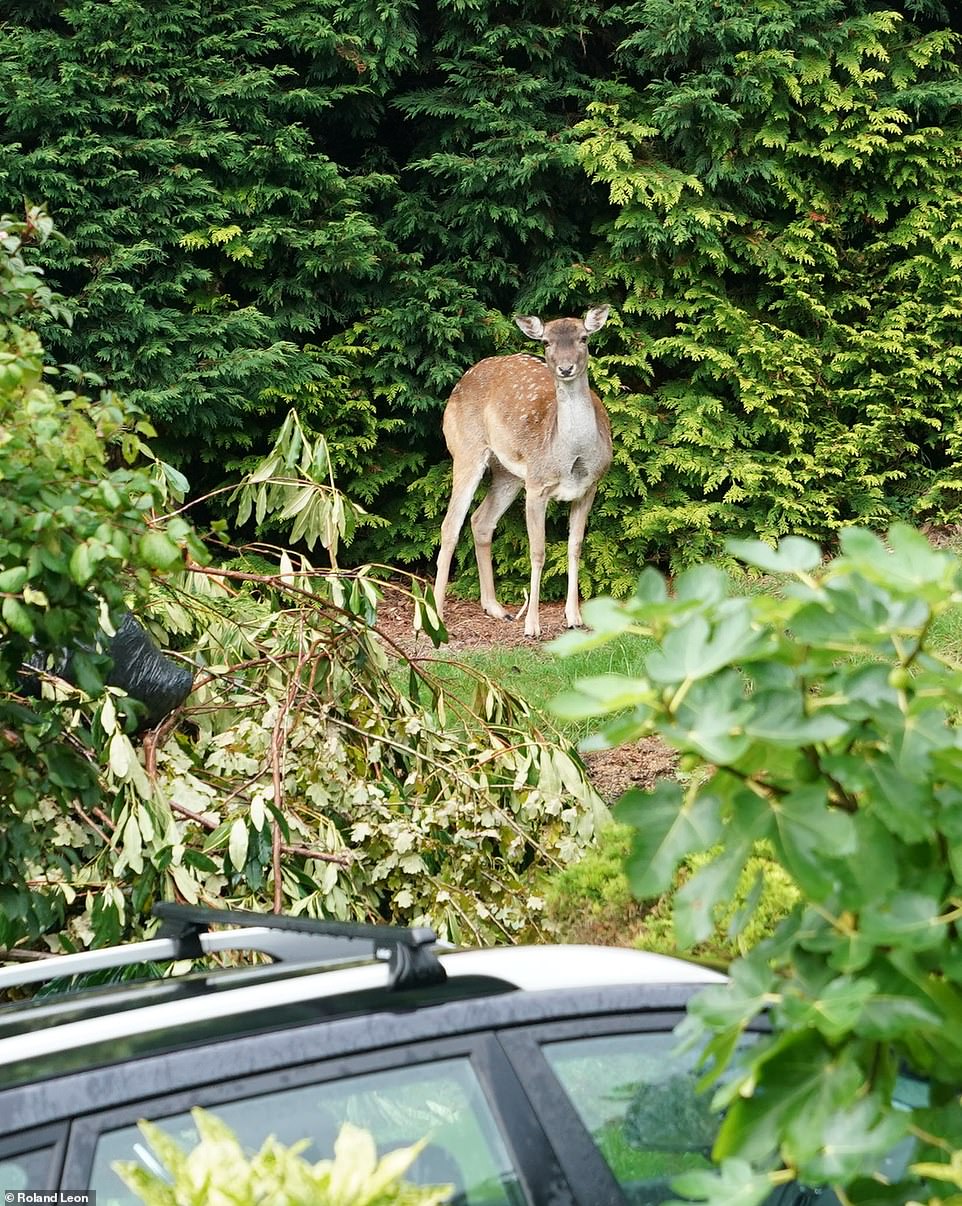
[
  {"x": 595, "y": 319},
  {"x": 532, "y": 327}
]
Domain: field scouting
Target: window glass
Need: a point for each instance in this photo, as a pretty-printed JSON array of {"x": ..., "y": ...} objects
[
  {"x": 636, "y": 1094},
  {"x": 442, "y": 1101},
  {"x": 25, "y": 1170}
]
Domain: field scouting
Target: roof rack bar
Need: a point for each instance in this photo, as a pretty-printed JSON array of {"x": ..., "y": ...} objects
[
  {"x": 412, "y": 962},
  {"x": 154, "y": 950},
  {"x": 281, "y": 947},
  {"x": 184, "y": 935}
]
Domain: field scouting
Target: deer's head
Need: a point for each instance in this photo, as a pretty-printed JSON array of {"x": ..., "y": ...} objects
[{"x": 565, "y": 340}]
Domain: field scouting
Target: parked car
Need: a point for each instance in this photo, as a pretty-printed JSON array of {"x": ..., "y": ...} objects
[{"x": 540, "y": 1075}]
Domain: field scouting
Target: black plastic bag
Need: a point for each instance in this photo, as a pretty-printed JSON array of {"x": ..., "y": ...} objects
[{"x": 139, "y": 668}]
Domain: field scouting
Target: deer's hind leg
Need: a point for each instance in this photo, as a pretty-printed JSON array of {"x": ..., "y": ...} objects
[
  {"x": 576, "y": 534},
  {"x": 503, "y": 491}
]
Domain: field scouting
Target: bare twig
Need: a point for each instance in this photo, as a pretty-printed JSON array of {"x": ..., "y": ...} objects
[
  {"x": 88, "y": 820},
  {"x": 16, "y": 955}
]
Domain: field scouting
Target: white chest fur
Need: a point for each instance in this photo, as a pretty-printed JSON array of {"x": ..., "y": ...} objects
[{"x": 575, "y": 458}]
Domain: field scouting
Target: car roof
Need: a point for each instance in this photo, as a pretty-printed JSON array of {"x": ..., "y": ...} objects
[
  {"x": 66, "y": 1023},
  {"x": 322, "y": 970}
]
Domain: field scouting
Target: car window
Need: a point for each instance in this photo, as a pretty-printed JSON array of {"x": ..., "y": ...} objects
[
  {"x": 443, "y": 1101},
  {"x": 25, "y": 1170},
  {"x": 636, "y": 1096}
]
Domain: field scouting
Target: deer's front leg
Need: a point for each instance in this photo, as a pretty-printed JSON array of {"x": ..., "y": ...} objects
[
  {"x": 534, "y": 509},
  {"x": 577, "y": 522}
]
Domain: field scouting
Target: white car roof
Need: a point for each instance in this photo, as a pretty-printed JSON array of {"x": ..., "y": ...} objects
[{"x": 528, "y": 968}]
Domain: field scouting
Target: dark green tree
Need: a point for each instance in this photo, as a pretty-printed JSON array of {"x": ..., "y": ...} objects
[{"x": 336, "y": 206}]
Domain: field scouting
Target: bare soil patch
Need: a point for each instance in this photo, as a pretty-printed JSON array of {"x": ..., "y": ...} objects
[{"x": 613, "y": 772}]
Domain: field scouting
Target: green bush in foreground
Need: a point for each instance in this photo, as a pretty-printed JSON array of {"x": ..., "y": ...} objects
[
  {"x": 821, "y": 721},
  {"x": 217, "y": 1171},
  {"x": 80, "y": 541}
]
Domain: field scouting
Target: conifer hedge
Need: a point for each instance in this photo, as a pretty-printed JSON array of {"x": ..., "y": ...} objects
[{"x": 337, "y": 205}]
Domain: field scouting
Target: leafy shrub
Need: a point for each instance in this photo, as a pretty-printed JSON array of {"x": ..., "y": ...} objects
[
  {"x": 592, "y": 901},
  {"x": 821, "y": 720},
  {"x": 399, "y": 800},
  {"x": 78, "y": 541},
  {"x": 218, "y": 1170}
]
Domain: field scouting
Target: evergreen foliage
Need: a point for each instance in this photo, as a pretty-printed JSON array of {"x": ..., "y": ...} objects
[{"x": 277, "y": 202}]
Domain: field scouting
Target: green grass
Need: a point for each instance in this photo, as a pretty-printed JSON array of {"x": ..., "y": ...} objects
[
  {"x": 946, "y": 634},
  {"x": 536, "y": 675}
]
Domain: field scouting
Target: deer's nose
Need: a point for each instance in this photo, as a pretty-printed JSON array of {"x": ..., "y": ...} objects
[{"x": 566, "y": 370}]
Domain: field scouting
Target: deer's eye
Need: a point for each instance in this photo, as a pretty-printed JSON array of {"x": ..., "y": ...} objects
[{"x": 584, "y": 338}]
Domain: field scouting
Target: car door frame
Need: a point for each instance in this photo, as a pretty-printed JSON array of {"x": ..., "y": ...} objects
[
  {"x": 52, "y": 1137},
  {"x": 535, "y": 1161}
]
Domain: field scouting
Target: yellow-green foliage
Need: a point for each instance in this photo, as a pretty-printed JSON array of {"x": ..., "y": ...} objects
[
  {"x": 218, "y": 1170},
  {"x": 591, "y": 901}
]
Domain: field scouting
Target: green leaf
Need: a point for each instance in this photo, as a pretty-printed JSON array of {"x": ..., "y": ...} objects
[
  {"x": 651, "y": 587},
  {"x": 813, "y": 837},
  {"x": 794, "y": 554},
  {"x": 696, "y": 650},
  {"x": 237, "y": 843},
  {"x": 910, "y": 920},
  {"x": 835, "y": 1011},
  {"x": 779, "y": 717},
  {"x": 157, "y": 550},
  {"x": 737, "y": 1003},
  {"x": 855, "y": 1141},
  {"x": 669, "y": 825},
  {"x": 804, "y": 1082},
  {"x": 600, "y": 695},
  {"x": 13, "y": 579},
  {"x": 735, "y": 1183},
  {"x": 607, "y": 616},
  {"x": 16, "y": 616},
  {"x": 709, "y": 887}
]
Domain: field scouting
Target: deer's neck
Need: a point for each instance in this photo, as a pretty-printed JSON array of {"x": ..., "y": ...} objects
[{"x": 576, "y": 413}]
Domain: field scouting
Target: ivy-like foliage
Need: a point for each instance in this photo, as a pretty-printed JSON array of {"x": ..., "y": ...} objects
[
  {"x": 335, "y": 206},
  {"x": 820, "y": 718}
]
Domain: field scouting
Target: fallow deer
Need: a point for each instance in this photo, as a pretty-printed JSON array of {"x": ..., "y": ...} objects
[{"x": 532, "y": 423}]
